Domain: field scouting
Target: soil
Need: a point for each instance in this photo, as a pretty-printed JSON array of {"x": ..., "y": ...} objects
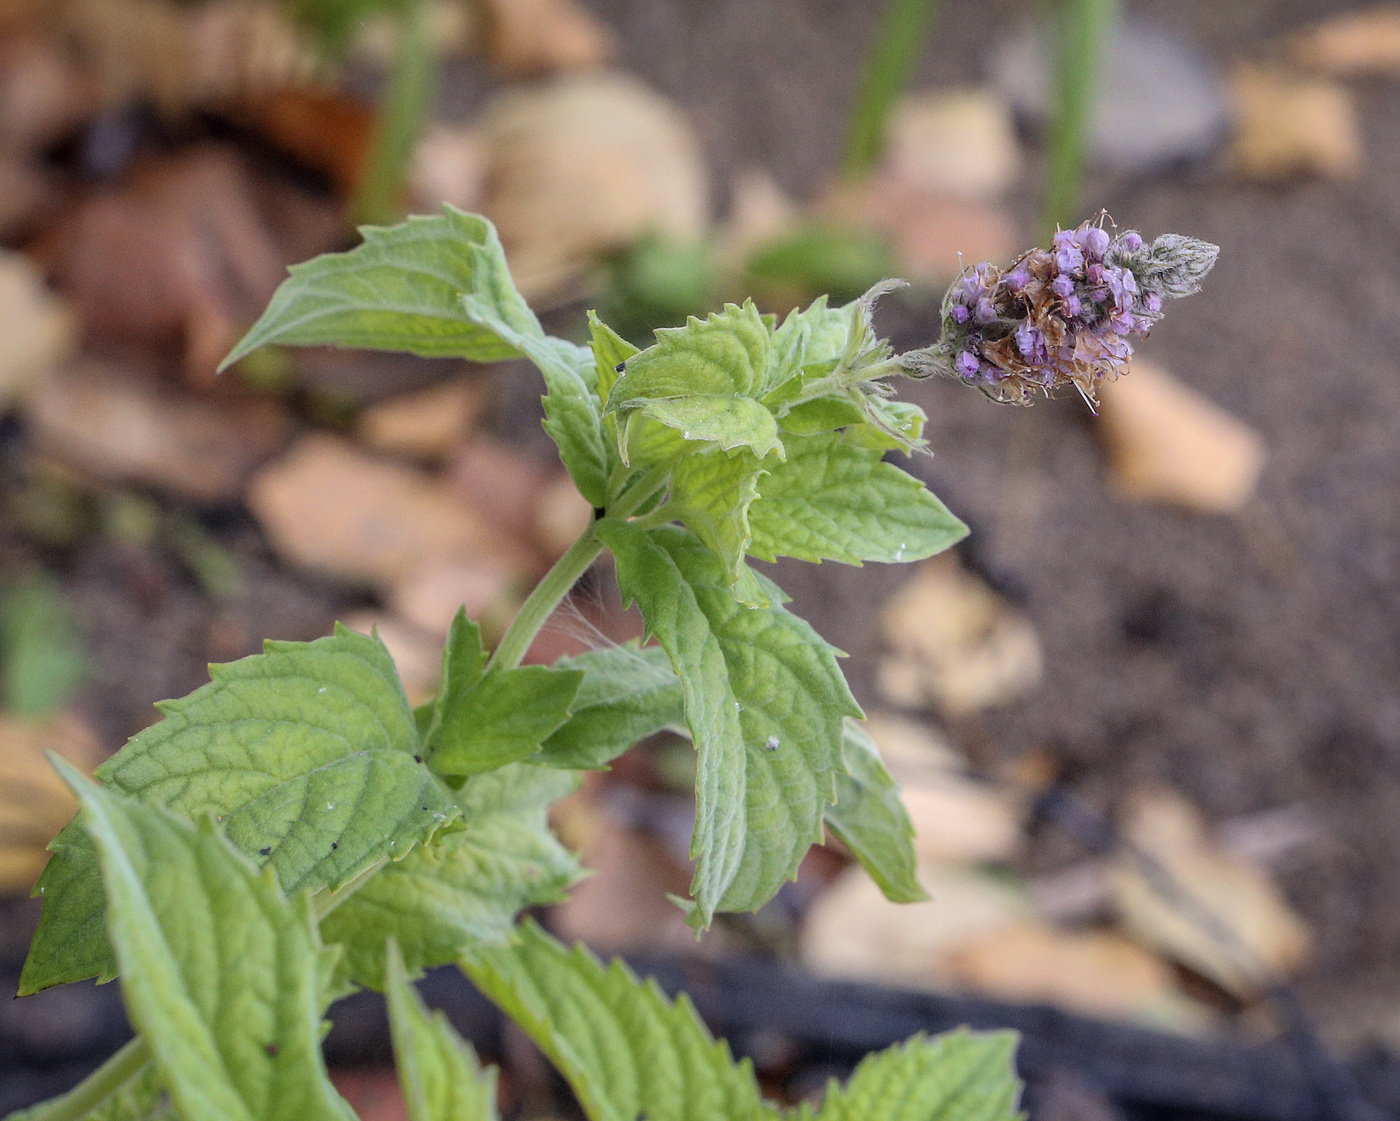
[{"x": 1253, "y": 662}]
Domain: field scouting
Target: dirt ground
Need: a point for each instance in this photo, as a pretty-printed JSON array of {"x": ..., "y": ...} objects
[{"x": 1253, "y": 661}]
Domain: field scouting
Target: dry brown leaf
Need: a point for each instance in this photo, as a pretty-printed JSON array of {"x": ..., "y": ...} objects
[
  {"x": 853, "y": 931},
  {"x": 586, "y": 165},
  {"x": 417, "y": 653},
  {"x": 178, "y": 255},
  {"x": 561, "y": 516},
  {"x": 498, "y": 480},
  {"x": 1353, "y": 45},
  {"x": 760, "y": 212},
  {"x": 530, "y": 38},
  {"x": 449, "y": 165},
  {"x": 1090, "y": 972},
  {"x": 1167, "y": 443},
  {"x": 36, "y": 326},
  {"x": 112, "y": 422},
  {"x": 1237, "y": 893},
  {"x": 325, "y": 130},
  {"x": 43, "y": 95},
  {"x": 429, "y": 597},
  {"x": 34, "y": 802},
  {"x": 1287, "y": 125},
  {"x": 954, "y": 643},
  {"x": 932, "y": 234},
  {"x": 333, "y": 509},
  {"x": 424, "y": 425},
  {"x": 954, "y": 142}
]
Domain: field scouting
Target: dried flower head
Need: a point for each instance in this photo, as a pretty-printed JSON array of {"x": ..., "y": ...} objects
[{"x": 1060, "y": 316}]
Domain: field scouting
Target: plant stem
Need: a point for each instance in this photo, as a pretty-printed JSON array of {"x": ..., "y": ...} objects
[
  {"x": 403, "y": 108},
  {"x": 1082, "y": 32},
  {"x": 93, "y": 1090},
  {"x": 887, "y": 72}
]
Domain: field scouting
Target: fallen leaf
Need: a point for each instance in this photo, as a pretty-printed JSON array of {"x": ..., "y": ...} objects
[
  {"x": 449, "y": 165},
  {"x": 955, "y": 643},
  {"x": 34, "y": 802},
  {"x": 424, "y": 425},
  {"x": 179, "y": 255},
  {"x": 44, "y": 96},
  {"x": 500, "y": 482},
  {"x": 1256, "y": 924},
  {"x": 852, "y": 931},
  {"x": 1287, "y": 125},
  {"x": 417, "y": 654},
  {"x": 116, "y": 424},
  {"x": 1352, "y": 45},
  {"x": 330, "y": 508},
  {"x": 561, "y": 516},
  {"x": 932, "y": 234},
  {"x": 530, "y": 38},
  {"x": 324, "y": 130},
  {"x": 1090, "y": 972},
  {"x": 954, "y": 142},
  {"x": 1167, "y": 443},
  {"x": 584, "y": 166},
  {"x": 430, "y": 596},
  {"x": 37, "y": 327}
]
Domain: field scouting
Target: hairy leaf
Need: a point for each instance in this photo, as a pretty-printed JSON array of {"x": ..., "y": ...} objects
[
  {"x": 220, "y": 974},
  {"x": 872, "y": 822},
  {"x": 711, "y": 494},
  {"x": 141, "y": 1097},
  {"x": 725, "y": 355},
  {"x": 628, "y": 692},
  {"x": 610, "y": 350},
  {"x": 626, "y": 1050},
  {"x": 467, "y": 885},
  {"x": 731, "y": 422},
  {"x": 504, "y": 718},
  {"x": 306, "y": 754},
  {"x": 764, "y": 699},
  {"x": 834, "y": 501},
  {"x": 960, "y": 1076},
  {"x": 400, "y": 290},
  {"x": 438, "y": 1073}
]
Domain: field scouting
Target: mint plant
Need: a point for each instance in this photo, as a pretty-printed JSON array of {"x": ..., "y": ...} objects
[{"x": 294, "y": 830}]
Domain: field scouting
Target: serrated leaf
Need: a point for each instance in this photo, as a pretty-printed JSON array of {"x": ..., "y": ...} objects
[
  {"x": 871, "y": 821},
  {"x": 627, "y": 1051},
  {"x": 504, "y": 718},
  {"x": 400, "y": 290},
  {"x": 725, "y": 355},
  {"x": 890, "y": 426},
  {"x": 220, "y": 974},
  {"x": 730, "y": 422},
  {"x": 960, "y": 1076},
  {"x": 764, "y": 700},
  {"x": 628, "y": 692},
  {"x": 572, "y": 409},
  {"x": 711, "y": 494},
  {"x": 439, "y": 1075},
  {"x": 610, "y": 351},
  {"x": 815, "y": 335},
  {"x": 468, "y": 885},
  {"x": 307, "y": 755},
  {"x": 822, "y": 414},
  {"x": 141, "y": 1097},
  {"x": 834, "y": 501}
]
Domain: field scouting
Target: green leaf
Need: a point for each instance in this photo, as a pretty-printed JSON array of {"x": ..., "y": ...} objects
[
  {"x": 306, "y": 753},
  {"x": 466, "y": 886},
  {"x": 438, "y": 1073},
  {"x": 725, "y": 355},
  {"x": 834, "y": 501},
  {"x": 503, "y": 719},
  {"x": 764, "y": 699},
  {"x": 42, "y": 662},
  {"x": 400, "y": 290},
  {"x": 220, "y": 974},
  {"x": 711, "y": 494},
  {"x": 814, "y": 336},
  {"x": 627, "y": 1051},
  {"x": 628, "y": 692},
  {"x": 872, "y": 822},
  {"x": 960, "y": 1076},
  {"x": 463, "y": 660},
  {"x": 610, "y": 350},
  {"x": 127, "y": 1087},
  {"x": 731, "y": 422}
]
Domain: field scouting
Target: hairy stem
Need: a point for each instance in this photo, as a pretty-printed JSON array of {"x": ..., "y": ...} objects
[
  {"x": 1083, "y": 29},
  {"x": 886, "y": 75},
  {"x": 403, "y": 109},
  {"x": 93, "y": 1090}
]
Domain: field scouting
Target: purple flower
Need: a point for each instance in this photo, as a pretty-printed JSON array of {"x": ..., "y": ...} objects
[
  {"x": 960, "y": 313},
  {"x": 967, "y": 364},
  {"x": 1062, "y": 286},
  {"x": 1017, "y": 279},
  {"x": 1068, "y": 256},
  {"x": 1094, "y": 241},
  {"x": 986, "y": 311},
  {"x": 1130, "y": 242}
]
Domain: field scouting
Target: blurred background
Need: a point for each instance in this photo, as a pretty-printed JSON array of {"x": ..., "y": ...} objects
[{"x": 1147, "y": 716}]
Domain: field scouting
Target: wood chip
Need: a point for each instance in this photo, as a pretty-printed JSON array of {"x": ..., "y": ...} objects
[
  {"x": 425, "y": 425},
  {"x": 1167, "y": 443},
  {"x": 531, "y": 38},
  {"x": 430, "y": 596},
  {"x": 561, "y": 516},
  {"x": 1236, "y": 893},
  {"x": 1287, "y": 125},
  {"x": 119, "y": 425},
  {"x": 960, "y": 143},
  {"x": 1353, "y": 45},
  {"x": 38, "y": 328},
  {"x": 955, "y": 644}
]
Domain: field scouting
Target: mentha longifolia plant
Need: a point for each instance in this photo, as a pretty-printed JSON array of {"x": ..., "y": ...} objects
[{"x": 294, "y": 830}]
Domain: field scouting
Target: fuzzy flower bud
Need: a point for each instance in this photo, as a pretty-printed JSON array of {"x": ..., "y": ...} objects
[{"x": 1061, "y": 316}]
